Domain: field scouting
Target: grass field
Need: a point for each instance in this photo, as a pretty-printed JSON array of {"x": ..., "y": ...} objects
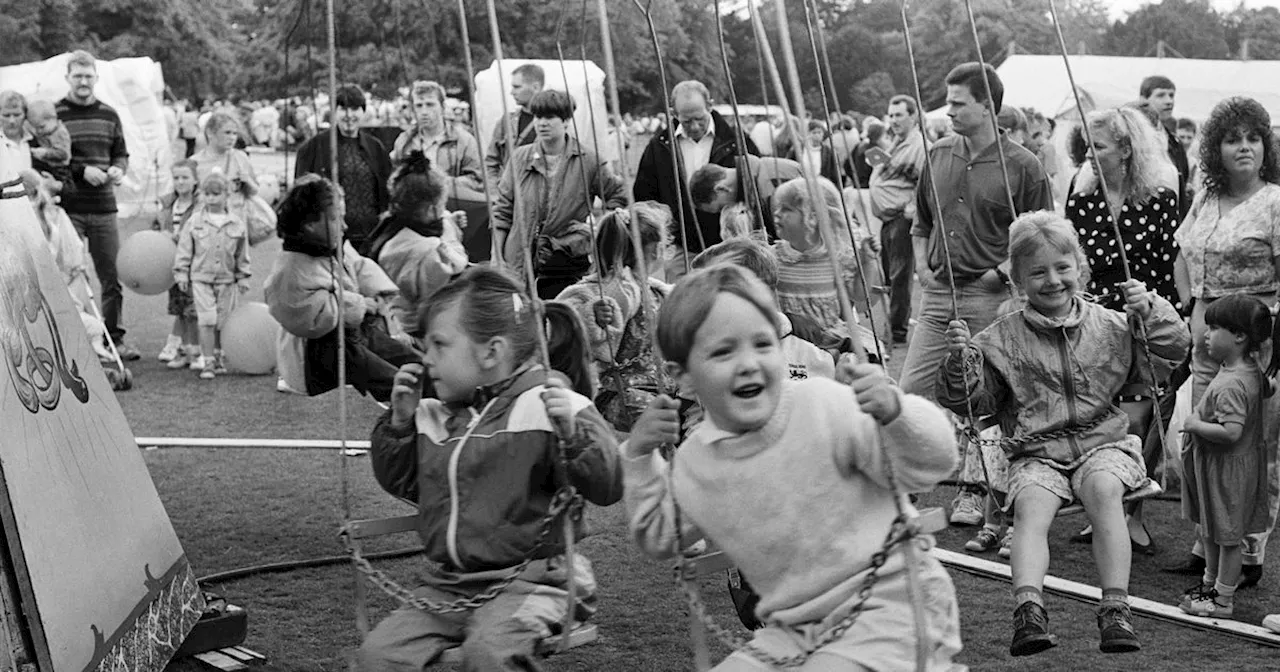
[{"x": 240, "y": 507}]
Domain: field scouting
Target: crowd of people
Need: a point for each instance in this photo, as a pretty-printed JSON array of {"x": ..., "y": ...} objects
[{"x": 729, "y": 311}]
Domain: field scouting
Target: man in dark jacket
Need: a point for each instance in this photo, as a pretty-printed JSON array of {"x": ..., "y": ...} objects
[
  {"x": 363, "y": 164},
  {"x": 1160, "y": 92},
  {"x": 704, "y": 137}
]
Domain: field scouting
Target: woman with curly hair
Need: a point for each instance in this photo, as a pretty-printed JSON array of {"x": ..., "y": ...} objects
[
  {"x": 417, "y": 241},
  {"x": 1230, "y": 244},
  {"x": 306, "y": 288},
  {"x": 1230, "y": 240},
  {"x": 1129, "y": 157}
]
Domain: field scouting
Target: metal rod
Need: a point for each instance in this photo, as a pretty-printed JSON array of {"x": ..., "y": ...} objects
[{"x": 475, "y": 104}]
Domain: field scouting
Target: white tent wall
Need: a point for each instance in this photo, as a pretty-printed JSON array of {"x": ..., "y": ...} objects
[
  {"x": 587, "y": 89},
  {"x": 134, "y": 87},
  {"x": 1107, "y": 81}
]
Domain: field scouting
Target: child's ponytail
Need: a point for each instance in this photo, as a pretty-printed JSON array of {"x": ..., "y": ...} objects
[{"x": 568, "y": 347}]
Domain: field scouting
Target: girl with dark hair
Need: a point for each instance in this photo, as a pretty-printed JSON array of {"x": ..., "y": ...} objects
[
  {"x": 1224, "y": 484},
  {"x": 417, "y": 241},
  {"x": 611, "y": 305},
  {"x": 555, "y": 179},
  {"x": 307, "y": 285},
  {"x": 485, "y": 463}
]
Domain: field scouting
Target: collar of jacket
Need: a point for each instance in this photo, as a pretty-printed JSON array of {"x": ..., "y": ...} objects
[
  {"x": 525, "y": 377},
  {"x": 722, "y": 133},
  {"x": 1041, "y": 322},
  {"x": 571, "y": 148}
]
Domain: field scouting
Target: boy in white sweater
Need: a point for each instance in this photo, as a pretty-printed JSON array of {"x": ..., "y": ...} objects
[{"x": 792, "y": 481}]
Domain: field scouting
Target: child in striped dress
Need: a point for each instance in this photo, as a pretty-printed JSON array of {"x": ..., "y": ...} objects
[{"x": 805, "y": 285}]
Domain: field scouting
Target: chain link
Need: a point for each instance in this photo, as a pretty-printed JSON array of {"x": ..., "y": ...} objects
[
  {"x": 565, "y": 501},
  {"x": 900, "y": 532},
  {"x": 972, "y": 433}
]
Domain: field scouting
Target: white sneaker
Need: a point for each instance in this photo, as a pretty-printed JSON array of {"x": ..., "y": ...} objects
[
  {"x": 1271, "y": 622},
  {"x": 197, "y": 363},
  {"x": 966, "y": 508},
  {"x": 1006, "y": 545},
  {"x": 172, "y": 348},
  {"x": 284, "y": 387},
  {"x": 183, "y": 359}
]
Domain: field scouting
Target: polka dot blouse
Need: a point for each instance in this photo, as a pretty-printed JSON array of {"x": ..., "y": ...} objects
[{"x": 1146, "y": 232}]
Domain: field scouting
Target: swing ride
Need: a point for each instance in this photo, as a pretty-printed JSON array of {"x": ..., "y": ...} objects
[{"x": 567, "y": 503}]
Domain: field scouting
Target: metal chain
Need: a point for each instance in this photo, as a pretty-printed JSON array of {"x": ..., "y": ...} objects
[
  {"x": 899, "y": 532},
  {"x": 566, "y": 500},
  {"x": 973, "y": 434}
]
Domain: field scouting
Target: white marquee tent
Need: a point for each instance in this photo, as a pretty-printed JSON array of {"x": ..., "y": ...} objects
[
  {"x": 586, "y": 85},
  {"x": 134, "y": 87},
  {"x": 1106, "y": 81}
]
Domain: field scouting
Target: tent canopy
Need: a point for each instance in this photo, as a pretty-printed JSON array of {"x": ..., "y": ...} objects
[{"x": 1108, "y": 81}]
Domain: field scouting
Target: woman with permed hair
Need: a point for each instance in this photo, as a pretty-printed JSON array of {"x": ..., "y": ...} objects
[
  {"x": 1130, "y": 158},
  {"x": 417, "y": 241},
  {"x": 306, "y": 288},
  {"x": 1230, "y": 244}
]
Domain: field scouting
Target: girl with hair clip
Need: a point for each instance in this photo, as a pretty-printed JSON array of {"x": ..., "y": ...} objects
[
  {"x": 1131, "y": 157},
  {"x": 485, "y": 462},
  {"x": 618, "y": 328},
  {"x": 305, "y": 289},
  {"x": 1228, "y": 454},
  {"x": 417, "y": 241},
  {"x": 804, "y": 268},
  {"x": 1050, "y": 373}
]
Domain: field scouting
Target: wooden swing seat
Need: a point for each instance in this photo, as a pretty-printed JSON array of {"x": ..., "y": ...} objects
[
  {"x": 1151, "y": 489},
  {"x": 358, "y": 530}
]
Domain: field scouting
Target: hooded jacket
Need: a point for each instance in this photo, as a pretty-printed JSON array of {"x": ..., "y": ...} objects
[
  {"x": 484, "y": 473},
  {"x": 656, "y": 180},
  {"x": 1037, "y": 374}
]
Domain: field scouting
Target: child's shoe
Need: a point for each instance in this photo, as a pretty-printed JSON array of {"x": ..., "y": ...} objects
[
  {"x": 219, "y": 362},
  {"x": 172, "y": 349},
  {"x": 966, "y": 508},
  {"x": 183, "y": 359},
  {"x": 984, "y": 541},
  {"x": 1209, "y": 604},
  {"x": 1031, "y": 630},
  {"x": 1115, "y": 630},
  {"x": 207, "y": 373},
  {"x": 197, "y": 363},
  {"x": 1006, "y": 544},
  {"x": 1195, "y": 592},
  {"x": 1271, "y": 622}
]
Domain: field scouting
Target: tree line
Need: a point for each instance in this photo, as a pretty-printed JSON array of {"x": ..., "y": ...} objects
[{"x": 273, "y": 48}]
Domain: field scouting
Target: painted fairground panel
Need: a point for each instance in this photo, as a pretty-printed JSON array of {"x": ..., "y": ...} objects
[{"x": 103, "y": 579}]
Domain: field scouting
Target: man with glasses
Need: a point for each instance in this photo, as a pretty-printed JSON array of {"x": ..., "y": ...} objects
[
  {"x": 99, "y": 159},
  {"x": 363, "y": 166},
  {"x": 702, "y": 137}
]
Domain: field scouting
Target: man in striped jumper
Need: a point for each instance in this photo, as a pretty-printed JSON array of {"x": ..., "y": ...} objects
[{"x": 98, "y": 162}]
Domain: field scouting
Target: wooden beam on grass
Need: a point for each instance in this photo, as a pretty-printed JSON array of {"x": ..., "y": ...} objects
[
  {"x": 306, "y": 444},
  {"x": 1086, "y": 593}
]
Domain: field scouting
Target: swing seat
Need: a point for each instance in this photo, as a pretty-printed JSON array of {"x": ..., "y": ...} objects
[
  {"x": 932, "y": 520},
  {"x": 1151, "y": 489},
  {"x": 358, "y": 530}
]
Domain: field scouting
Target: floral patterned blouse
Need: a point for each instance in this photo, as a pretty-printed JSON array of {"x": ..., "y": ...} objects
[
  {"x": 1235, "y": 253},
  {"x": 1147, "y": 232}
]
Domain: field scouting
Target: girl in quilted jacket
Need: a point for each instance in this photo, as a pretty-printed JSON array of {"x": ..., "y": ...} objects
[
  {"x": 1051, "y": 373},
  {"x": 611, "y": 303},
  {"x": 486, "y": 461}
]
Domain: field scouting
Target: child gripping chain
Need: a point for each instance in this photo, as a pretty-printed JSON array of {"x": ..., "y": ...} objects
[
  {"x": 799, "y": 502},
  {"x": 1224, "y": 484},
  {"x": 611, "y": 303},
  {"x": 1050, "y": 373},
  {"x": 213, "y": 256},
  {"x": 479, "y": 462}
]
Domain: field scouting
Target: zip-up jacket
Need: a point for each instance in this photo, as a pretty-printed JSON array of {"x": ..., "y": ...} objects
[
  {"x": 483, "y": 474},
  {"x": 1037, "y": 374}
]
